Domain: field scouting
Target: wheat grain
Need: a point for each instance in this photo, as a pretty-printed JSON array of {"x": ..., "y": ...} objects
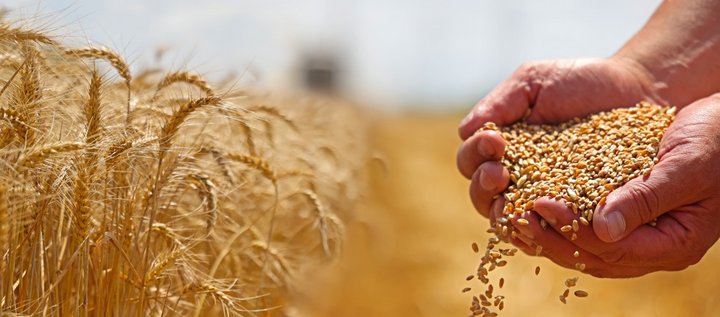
[{"x": 580, "y": 293}]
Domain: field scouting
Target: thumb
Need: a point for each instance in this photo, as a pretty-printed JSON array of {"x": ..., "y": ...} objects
[{"x": 643, "y": 199}]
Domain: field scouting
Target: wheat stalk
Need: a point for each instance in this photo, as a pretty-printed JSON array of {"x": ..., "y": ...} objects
[{"x": 4, "y": 226}]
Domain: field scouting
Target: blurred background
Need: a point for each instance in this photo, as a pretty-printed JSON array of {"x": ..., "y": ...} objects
[
  {"x": 420, "y": 64},
  {"x": 400, "y": 54}
]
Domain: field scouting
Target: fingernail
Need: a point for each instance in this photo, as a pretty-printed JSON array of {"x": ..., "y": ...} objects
[
  {"x": 485, "y": 149},
  {"x": 467, "y": 118},
  {"x": 615, "y": 225},
  {"x": 485, "y": 182}
]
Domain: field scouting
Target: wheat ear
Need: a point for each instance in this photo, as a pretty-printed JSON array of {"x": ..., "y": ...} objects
[
  {"x": 114, "y": 59},
  {"x": 40, "y": 154},
  {"x": 92, "y": 110},
  {"x": 162, "y": 263},
  {"x": 208, "y": 191},
  {"x": 257, "y": 163},
  {"x": 111, "y": 57},
  {"x": 324, "y": 220},
  {"x": 17, "y": 120},
  {"x": 21, "y": 35},
  {"x": 183, "y": 77},
  {"x": 171, "y": 127},
  {"x": 82, "y": 209},
  {"x": 275, "y": 113}
]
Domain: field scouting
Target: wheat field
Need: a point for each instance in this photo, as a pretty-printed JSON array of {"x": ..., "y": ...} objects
[{"x": 157, "y": 193}]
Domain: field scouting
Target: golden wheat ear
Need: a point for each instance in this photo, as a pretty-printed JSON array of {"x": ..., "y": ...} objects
[
  {"x": 10, "y": 33},
  {"x": 256, "y": 163},
  {"x": 38, "y": 155},
  {"x": 106, "y": 54},
  {"x": 170, "y": 128},
  {"x": 183, "y": 77},
  {"x": 92, "y": 110}
]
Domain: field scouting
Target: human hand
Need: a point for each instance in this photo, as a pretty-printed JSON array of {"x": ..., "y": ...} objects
[
  {"x": 682, "y": 191},
  {"x": 556, "y": 91}
]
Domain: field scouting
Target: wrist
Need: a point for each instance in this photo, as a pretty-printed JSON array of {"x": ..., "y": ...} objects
[{"x": 654, "y": 88}]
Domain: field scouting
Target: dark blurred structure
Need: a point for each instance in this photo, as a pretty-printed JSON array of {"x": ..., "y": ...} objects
[{"x": 319, "y": 72}]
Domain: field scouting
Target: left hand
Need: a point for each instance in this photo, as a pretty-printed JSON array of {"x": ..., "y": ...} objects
[{"x": 682, "y": 192}]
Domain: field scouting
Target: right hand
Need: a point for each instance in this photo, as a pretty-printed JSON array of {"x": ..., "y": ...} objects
[{"x": 555, "y": 91}]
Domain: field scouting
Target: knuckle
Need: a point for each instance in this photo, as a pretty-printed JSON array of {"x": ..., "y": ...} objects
[
  {"x": 527, "y": 73},
  {"x": 528, "y": 67}
]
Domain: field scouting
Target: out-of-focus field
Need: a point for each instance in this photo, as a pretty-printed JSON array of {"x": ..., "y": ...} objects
[{"x": 408, "y": 250}]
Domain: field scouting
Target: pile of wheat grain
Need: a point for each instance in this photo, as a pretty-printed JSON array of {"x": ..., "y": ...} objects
[
  {"x": 156, "y": 193},
  {"x": 579, "y": 162}
]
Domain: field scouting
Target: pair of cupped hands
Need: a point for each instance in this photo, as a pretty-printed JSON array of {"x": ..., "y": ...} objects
[{"x": 682, "y": 192}]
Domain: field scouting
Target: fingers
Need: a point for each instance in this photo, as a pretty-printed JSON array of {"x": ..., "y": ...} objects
[
  {"x": 675, "y": 242},
  {"x": 496, "y": 210},
  {"x": 568, "y": 225},
  {"x": 645, "y": 198},
  {"x": 660, "y": 246},
  {"x": 490, "y": 179},
  {"x": 506, "y": 104},
  {"x": 484, "y": 146},
  {"x": 562, "y": 251}
]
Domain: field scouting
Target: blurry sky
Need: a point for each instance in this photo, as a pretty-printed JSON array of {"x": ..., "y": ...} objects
[{"x": 420, "y": 54}]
